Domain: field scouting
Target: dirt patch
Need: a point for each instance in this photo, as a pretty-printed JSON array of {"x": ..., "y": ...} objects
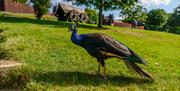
[{"x": 4, "y": 64}]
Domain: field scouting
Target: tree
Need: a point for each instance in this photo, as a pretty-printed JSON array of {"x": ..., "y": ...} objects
[
  {"x": 40, "y": 7},
  {"x": 93, "y": 15},
  {"x": 135, "y": 12},
  {"x": 104, "y": 5},
  {"x": 174, "y": 21},
  {"x": 156, "y": 19}
]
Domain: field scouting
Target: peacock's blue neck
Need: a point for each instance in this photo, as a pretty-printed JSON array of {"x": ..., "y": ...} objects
[{"x": 75, "y": 37}]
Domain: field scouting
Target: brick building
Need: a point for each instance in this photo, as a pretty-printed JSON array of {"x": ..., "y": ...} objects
[{"x": 15, "y": 7}]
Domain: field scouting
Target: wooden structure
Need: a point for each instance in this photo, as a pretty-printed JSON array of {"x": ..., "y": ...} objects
[
  {"x": 15, "y": 7},
  {"x": 108, "y": 20},
  {"x": 66, "y": 12}
]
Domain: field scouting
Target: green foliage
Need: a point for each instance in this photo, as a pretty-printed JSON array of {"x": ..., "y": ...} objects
[
  {"x": 58, "y": 64},
  {"x": 40, "y": 7},
  {"x": 174, "y": 21},
  {"x": 156, "y": 19},
  {"x": 104, "y": 5},
  {"x": 175, "y": 29},
  {"x": 108, "y": 4},
  {"x": 21, "y": 1},
  {"x": 93, "y": 15},
  {"x": 175, "y": 17},
  {"x": 135, "y": 12}
]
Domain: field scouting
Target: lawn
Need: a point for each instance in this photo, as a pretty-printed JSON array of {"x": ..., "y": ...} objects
[{"x": 56, "y": 64}]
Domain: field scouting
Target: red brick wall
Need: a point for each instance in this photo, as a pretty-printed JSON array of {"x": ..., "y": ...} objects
[
  {"x": 124, "y": 24},
  {"x": 16, "y": 7}
]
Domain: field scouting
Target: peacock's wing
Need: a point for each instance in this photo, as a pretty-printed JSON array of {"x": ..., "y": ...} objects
[{"x": 108, "y": 46}]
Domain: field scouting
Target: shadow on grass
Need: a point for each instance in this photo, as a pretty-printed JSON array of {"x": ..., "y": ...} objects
[
  {"x": 58, "y": 24},
  {"x": 79, "y": 78}
]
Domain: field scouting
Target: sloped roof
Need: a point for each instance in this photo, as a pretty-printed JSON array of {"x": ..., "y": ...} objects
[{"x": 66, "y": 8}]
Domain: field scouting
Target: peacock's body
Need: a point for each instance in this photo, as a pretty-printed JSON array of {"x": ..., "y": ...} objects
[{"x": 103, "y": 47}]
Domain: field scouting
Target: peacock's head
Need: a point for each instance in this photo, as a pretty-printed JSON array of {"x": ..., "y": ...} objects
[{"x": 73, "y": 27}]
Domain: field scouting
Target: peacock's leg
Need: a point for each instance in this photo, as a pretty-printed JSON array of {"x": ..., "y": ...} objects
[
  {"x": 99, "y": 67},
  {"x": 104, "y": 75},
  {"x": 104, "y": 69}
]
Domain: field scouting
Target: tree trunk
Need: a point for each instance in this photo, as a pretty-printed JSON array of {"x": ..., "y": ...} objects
[{"x": 100, "y": 13}]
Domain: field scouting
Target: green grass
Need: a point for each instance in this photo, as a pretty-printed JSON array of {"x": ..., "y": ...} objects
[{"x": 57, "y": 64}]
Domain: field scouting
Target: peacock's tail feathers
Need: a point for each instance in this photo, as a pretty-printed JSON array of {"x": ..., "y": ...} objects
[{"x": 135, "y": 68}]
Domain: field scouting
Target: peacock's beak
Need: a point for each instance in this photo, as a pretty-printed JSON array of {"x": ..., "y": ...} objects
[{"x": 71, "y": 28}]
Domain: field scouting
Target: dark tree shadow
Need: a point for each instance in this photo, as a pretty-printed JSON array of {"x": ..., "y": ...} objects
[
  {"x": 58, "y": 24},
  {"x": 79, "y": 78}
]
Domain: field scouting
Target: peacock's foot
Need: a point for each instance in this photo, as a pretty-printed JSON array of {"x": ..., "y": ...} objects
[{"x": 104, "y": 78}]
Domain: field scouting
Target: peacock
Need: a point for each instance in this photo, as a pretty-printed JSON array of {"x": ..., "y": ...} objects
[{"x": 103, "y": 47}]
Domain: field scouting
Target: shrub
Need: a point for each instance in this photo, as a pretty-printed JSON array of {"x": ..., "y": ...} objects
[
  {"x": 156, "y": 19},
  {"x": 40, "y": 7},
  {"x": 174, "y": 21}
]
